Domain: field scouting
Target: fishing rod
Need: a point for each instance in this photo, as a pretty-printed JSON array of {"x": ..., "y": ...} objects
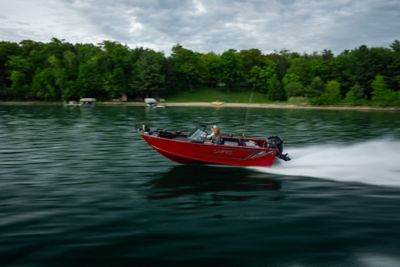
[{"x": 246, "y": 117}]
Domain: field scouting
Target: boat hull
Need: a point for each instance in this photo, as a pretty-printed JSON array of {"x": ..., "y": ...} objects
[{"x": 186, "y": 152}]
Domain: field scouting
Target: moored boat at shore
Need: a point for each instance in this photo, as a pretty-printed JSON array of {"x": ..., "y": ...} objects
[{"x": 83, "y": 102}]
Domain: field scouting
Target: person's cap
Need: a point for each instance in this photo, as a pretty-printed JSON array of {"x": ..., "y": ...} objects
[{"x": 214, "y": 126}]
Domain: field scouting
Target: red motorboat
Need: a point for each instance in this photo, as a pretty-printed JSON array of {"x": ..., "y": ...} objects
[{"x": 196, "y": 149}]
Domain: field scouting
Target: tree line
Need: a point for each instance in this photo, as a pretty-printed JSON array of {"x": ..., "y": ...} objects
[{"x": 59, "y": 70}]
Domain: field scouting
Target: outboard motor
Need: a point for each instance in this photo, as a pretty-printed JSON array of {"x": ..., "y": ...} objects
[{"x": 277, "y": 142}]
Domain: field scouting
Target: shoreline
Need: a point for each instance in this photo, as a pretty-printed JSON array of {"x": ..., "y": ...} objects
[
  {"x": 210, "y": 104},
  {"x": 280, "y": 106}
]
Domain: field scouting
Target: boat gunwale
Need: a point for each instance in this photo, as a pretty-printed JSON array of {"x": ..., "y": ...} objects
[{"x": 211, "y": 144}]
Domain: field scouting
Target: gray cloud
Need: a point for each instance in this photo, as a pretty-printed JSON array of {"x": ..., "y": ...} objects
[{"x": 212, "y": 25}]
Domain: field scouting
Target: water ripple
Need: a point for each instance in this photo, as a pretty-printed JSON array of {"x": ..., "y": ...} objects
[{"x": 79, "y": 187}]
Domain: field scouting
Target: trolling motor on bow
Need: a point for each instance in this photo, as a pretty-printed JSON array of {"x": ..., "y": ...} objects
[
  {"x": 158, "y": 132},
  {"x": 144, "y": 128},
  {"x": 277, "y": 142}
]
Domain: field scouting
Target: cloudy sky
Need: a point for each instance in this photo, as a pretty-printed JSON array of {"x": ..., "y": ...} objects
[{"x": 206, "y": 25}]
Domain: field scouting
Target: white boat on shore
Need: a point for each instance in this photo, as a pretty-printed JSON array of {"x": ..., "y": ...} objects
[
  {"x": 150, "y": 102},
  {"x": 83, "y": 102},
  {"x": 153, "y": 103}
]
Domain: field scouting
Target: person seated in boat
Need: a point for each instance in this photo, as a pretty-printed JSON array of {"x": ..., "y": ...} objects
[{"x": 215, "y": 135}]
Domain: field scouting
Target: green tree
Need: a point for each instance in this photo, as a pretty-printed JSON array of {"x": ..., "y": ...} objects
[
  {"x": 355, "y": 95},
  {"x": 43, "y": 85},
  {"x": 20, "y": 75},
  {"x": 395, "y": 46},
  {"x": 350, "y": 98},
  {"x": 231, "y": 70},
  {"x": 57, "y": 70},
  {"x": 71, "y": 90},
  {"x": 7, "y": 50},
  {"x": 361, "y": 66},
  {"x": 320, "y": 67},
  {"x": 150, "y": 78},
  {"x": 260, "y": 76},
  {"x": 185, "y": 64},
  {"x": 59, "y": 75},
  {"x": 330, "y": 96},
  {"x": 342, "y": 70},
  {"x": 209, "y": 68},
  {"x": 316, "y": 88},
  {"x": 116, "y": 63},
  {"x": 358, "y": 91},
  {"x": 300, "y": 67},
  {"x": 290, "y": 78},
  {"x": 275, "y": 90},
  {"x": 382, "y": 95},
  {"x": 90, "y": 78},
  {"x": 281, "y": 62},
  {"x": 249, "y": 59},
  {"x": 294, "y": 89}
]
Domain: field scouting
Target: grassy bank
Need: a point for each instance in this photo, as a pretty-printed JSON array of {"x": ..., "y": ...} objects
[
  {"x": 223, "y": 95},
  {"x": 250, "y": 98}
]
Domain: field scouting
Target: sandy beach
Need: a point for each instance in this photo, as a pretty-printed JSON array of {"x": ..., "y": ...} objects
[{"x": 279, "y": 106}]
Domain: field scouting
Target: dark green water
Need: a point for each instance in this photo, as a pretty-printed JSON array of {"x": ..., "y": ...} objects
[{"x": 78, "y": 187}]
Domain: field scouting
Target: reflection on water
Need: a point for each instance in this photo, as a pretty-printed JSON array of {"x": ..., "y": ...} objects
[{"x": 186, "y": 180}]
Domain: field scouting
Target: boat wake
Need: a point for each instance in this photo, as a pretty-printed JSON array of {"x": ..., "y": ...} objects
[{"x": 374, "y": 162}]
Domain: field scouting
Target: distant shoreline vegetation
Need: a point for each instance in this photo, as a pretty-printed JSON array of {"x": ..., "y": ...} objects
[{"x": 61, "y": 71}]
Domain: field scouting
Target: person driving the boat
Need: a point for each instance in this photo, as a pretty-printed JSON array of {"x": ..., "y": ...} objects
[{"x": 215, "y": 135}]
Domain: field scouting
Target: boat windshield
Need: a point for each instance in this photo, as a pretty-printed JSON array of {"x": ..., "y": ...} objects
[{"x": 199, "y": 135}]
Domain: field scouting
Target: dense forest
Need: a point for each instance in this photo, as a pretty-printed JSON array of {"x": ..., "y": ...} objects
[{"x": 59, "y": 70}]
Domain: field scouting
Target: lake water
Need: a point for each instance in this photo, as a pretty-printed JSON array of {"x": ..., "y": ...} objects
[{"x": 78, "y": 187}]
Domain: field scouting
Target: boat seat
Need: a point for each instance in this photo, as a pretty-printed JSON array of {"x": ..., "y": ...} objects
[
  {"x": 219, "y": 140},
  {"x": 231, "y": 143},
  {"x": 251, "y": 143}
]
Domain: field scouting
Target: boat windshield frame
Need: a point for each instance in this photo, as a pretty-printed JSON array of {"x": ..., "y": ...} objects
[{"x": 199, "y": 135}]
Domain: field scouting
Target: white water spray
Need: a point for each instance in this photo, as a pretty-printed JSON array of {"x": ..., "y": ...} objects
[{"x": 373, "y": 162}]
